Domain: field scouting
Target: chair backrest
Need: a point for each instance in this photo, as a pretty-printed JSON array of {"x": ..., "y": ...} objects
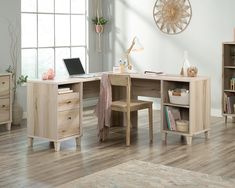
[{"x": 124, "y": 81}]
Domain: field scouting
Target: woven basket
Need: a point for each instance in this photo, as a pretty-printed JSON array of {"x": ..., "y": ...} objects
[{"x": 182, "y": 125}]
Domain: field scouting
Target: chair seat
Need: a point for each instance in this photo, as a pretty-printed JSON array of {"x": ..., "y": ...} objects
[{"x": 134, "y": 105}]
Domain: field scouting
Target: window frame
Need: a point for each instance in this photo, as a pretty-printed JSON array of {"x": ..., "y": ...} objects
[{"x": 54, "y": 47}]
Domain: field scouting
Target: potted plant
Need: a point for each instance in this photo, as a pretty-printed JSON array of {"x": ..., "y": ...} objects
[
  {"x": 17, "y": 111},
  {"x": 99, "y": 24}
]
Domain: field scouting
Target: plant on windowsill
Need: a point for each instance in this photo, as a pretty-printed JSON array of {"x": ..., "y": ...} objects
[{"x": 99, "y": 24}]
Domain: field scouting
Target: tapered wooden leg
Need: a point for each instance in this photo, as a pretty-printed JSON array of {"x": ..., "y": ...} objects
[
  {"x": 226, "y": 119},
  {"x": 78, "y": 141},
  {"x": 128, "y": 130},
  {"x": 150, "y": 111},
  {"x": 9, "y": 126},
  {"x": 57, "y": 146},
  {"x": 189, "y": 140},
  {"x": 30, "y": 142},
  {"x": 207, "y": 134}
]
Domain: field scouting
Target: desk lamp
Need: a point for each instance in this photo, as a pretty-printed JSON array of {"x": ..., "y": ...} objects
[{"x": 138, "y": 47}]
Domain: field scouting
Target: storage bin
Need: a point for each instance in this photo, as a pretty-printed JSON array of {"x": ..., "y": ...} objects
[
  {"x": 181, "y": 98},
  {"x": 182, "y": 125}
]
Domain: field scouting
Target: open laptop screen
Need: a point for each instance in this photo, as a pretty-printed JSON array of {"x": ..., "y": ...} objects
[{"x": 74, "y": 66}]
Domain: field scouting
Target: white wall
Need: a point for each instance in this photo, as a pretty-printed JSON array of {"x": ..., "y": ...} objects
[
  {"x": 212, "y": 23},
  {"x": 10, "y": 12}
]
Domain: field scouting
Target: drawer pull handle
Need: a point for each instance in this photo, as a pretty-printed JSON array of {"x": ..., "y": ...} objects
[
  {"x": 3, "y": 83},
  {"x": 3, "y": 106},
  {"x": 68, "y": 102},
  {"x": 69, "y": 118}
]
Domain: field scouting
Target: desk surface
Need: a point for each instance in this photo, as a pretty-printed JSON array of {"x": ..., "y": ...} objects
[{"x": 133, "y": 75}]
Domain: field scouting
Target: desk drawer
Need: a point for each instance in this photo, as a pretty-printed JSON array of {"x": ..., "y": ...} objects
[
  {"x": 4, "y": 110},
  {"x": 68, "y": 101},
  {"x": 4, "y": 86},
  {"x": 68, "y": 123}
]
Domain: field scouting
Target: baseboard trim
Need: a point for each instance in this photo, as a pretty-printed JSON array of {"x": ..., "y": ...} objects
[{"x": 216, "y": 112}]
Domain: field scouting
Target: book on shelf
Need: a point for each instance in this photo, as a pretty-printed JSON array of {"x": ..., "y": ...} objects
[
  {"x": 172, "y": 114},
  {"x": 167, "y": 118},
  {"x": 229, "y": 101},
  {"x": 65, "y": 91}
]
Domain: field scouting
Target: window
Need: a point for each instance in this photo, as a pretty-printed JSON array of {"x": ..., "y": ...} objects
[{"x": 52, "y": 30}]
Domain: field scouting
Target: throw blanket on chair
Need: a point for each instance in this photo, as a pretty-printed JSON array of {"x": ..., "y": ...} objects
[{"x": 103, "y": 108}]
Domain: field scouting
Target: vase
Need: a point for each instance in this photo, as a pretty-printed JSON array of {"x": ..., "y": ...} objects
[
  {"x": 99, "y": 28},
  {"x": 185, "y": 65},
  {"x": 17, "y": 113}
]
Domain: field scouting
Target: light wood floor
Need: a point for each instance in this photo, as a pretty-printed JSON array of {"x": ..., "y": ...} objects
[{"x": 40, "y": 166}]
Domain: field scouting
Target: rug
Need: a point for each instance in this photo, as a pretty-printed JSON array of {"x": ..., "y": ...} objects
[{"x": 142, "y": 174}]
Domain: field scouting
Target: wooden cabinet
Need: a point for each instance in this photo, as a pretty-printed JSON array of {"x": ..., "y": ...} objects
[
  {"x": 228, "y": 80},
  {"x": 5, "y": 100},
  {"x": 56, "y": 117},
  {"x": 197, "y": 112}
]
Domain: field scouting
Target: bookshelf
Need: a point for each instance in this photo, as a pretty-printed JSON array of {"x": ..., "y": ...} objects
[
  {"x": 196, "y": 113},
  {"x": 228, "y": 80}
]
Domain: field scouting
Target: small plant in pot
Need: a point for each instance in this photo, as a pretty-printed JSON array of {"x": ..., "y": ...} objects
[{"x": 99, "y": 24}]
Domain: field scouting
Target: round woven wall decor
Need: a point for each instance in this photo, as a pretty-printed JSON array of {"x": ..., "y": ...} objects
[{"x": 172, "y": 16}]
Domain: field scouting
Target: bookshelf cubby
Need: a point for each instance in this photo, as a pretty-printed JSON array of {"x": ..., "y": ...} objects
[
  {"x": 196, "y": 112},
  {"x": 228, "y": 73}
]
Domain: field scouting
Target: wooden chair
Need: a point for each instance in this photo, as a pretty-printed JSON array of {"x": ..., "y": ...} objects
[{"x": 127, "y": 105}]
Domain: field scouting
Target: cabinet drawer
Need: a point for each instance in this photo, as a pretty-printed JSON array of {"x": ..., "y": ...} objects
[
  {"x": 68, "y": 123},
  {"x": 4, "y": 110},
  {"x": 4, "y": 86},
  {"x": 68, "y": 101}
]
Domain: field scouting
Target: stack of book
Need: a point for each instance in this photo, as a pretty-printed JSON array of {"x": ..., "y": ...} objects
[
  {"x": 172, "y": 115},
  {"x": 64, "y": 90},
  {"x": 229, "y": 101}
]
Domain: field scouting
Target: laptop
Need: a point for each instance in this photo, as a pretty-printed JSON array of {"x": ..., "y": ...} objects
[{"x": 75, "y": 68}]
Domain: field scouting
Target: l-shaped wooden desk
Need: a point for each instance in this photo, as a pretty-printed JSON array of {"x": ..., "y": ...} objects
[{"x": 59, "y": 117}]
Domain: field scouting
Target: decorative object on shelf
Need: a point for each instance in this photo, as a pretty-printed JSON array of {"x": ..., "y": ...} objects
[
  {"x": 49, "y": 75},
  {"x": 138, "y": 47},
  {"x": 192, "y": 71},
  {"x": 185, "y": 66},
  {"x": 232, "y": 84},
  {"x": 99, "y": 22},
  {"x": 232, "y": 55},
  {"x": 172, "y": 16},
  {"x": 179, "y": 96}
]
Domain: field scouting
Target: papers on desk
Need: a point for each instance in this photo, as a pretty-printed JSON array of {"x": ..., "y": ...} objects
[{"x": 154, "y": 73}]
